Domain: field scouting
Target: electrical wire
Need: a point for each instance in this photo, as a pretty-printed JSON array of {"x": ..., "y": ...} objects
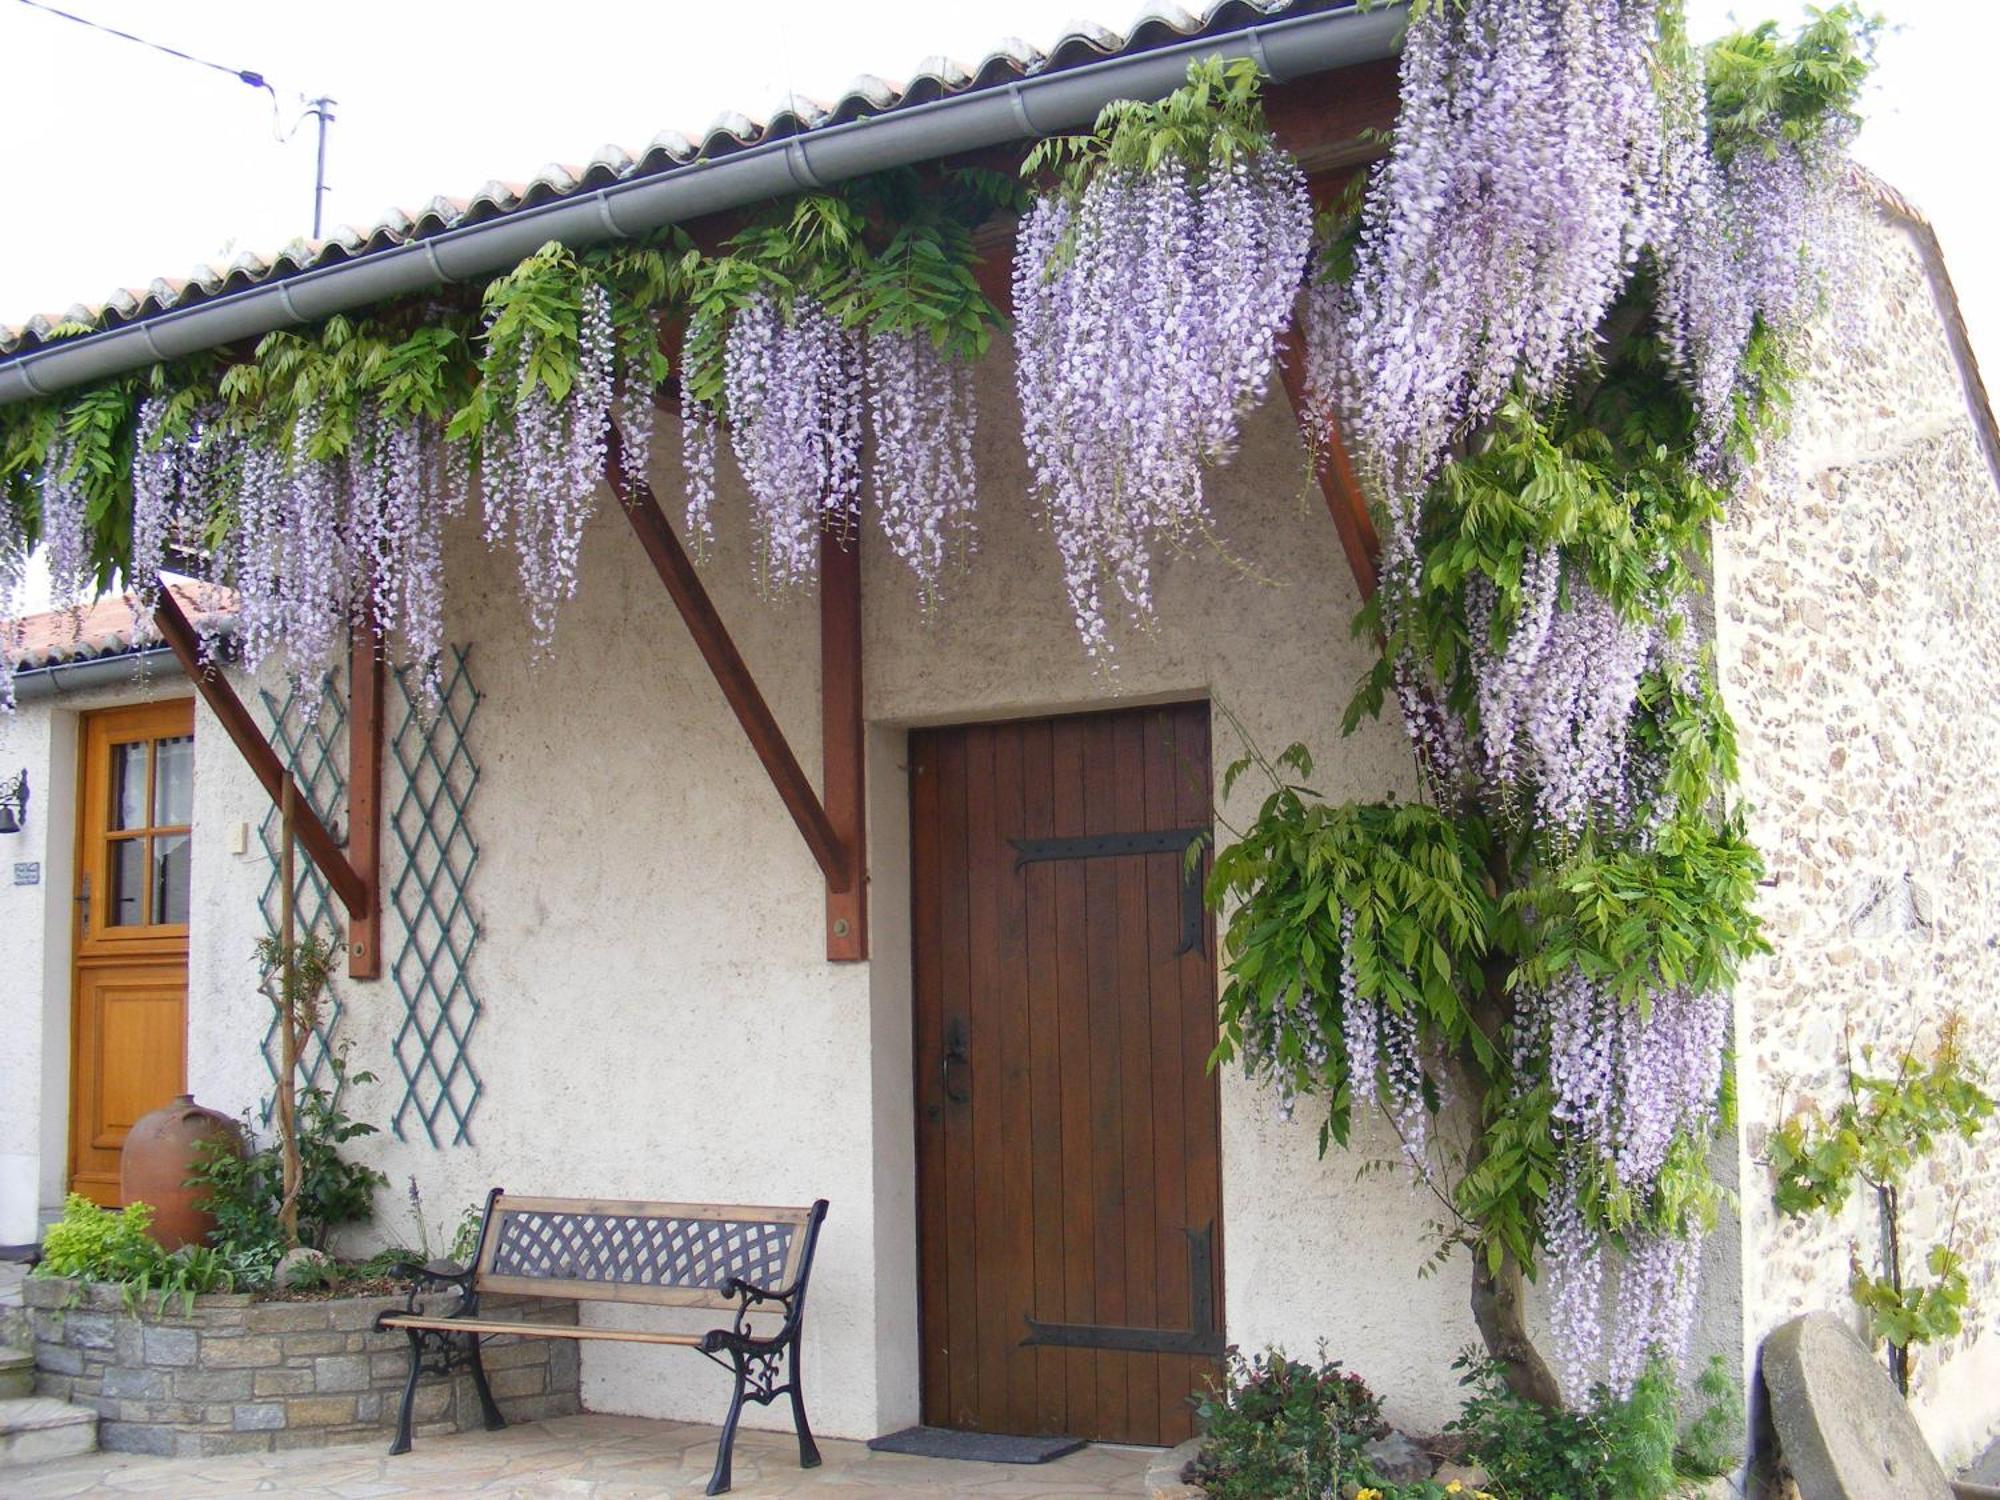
[{"x": 245, "y": 75}]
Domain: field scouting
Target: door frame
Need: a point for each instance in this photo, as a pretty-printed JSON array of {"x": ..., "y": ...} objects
[
  {"x": 921, "y": 1066},
  {"x": 103, "y": 947}
]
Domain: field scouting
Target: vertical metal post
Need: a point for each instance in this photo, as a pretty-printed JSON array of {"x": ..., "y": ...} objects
[{"x": 322, "y": 109}]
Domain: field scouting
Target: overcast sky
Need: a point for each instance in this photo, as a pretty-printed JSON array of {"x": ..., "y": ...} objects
[{"x": 121, "y": 165}]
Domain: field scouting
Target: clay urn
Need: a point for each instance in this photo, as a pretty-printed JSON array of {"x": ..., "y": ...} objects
[{"x": 159, "y": 1157}]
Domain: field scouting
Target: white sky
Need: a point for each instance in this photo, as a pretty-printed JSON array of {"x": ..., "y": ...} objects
[{"x": 121, "y": 165}]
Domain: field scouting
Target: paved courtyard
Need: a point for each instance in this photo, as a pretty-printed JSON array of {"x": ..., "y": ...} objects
[{"x": 597, "y": 1456}]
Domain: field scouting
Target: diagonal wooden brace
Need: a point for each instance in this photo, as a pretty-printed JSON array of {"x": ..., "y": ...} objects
[
  {"x": 1333, "y": 467},
  {"x": 357, "y": 894},
  {"x": 836, "y": 840}
]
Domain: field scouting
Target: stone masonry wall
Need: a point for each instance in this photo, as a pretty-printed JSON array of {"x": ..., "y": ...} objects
[
  {"x": 240, "y": 1376},
  {"x": 1858, "y": 634}
]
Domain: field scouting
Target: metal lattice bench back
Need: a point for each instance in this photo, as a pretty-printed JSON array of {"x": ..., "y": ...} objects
[
  {"x": 670, "y": 1254},
  {"x": 740, "y": 1259}
]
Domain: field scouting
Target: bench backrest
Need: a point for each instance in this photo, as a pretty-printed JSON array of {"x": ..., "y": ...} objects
[{"x": 628, "y": 1250}]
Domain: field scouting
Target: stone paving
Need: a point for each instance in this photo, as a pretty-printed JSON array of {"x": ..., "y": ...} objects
[{"x": 592, "y": 1455}]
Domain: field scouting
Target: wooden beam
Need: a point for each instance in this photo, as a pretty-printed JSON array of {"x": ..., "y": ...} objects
[
  {"x": 1333, "y": 466},
  {"x": 843, "y": 747},
  {"x": 263, "y": 760},
  {"x": 739, "y": 688},
  {"x": 364, "y": 798}
]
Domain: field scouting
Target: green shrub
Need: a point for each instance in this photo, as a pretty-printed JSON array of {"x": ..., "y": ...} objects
[
  {"x": 1282, "y": 1429},
  {"x": 102, "y": 1244},
  {"x": 244, "y": 1192},
  {"x": 1613, "y": 1449}
]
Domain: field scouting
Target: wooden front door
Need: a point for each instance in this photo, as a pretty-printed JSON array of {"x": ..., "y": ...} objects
[
  {"x": 128, "y": 1044},
  {"x": 1068, "y": 1145}
]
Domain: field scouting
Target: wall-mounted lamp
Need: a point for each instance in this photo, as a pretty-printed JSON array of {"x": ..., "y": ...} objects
[{"x": 14, "y": 803}]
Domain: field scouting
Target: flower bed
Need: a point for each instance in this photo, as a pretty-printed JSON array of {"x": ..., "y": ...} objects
[{"x": 237, "y": 1375}]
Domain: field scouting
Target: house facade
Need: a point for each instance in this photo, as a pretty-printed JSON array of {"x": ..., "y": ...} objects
[{"x": 604, "y": 946}]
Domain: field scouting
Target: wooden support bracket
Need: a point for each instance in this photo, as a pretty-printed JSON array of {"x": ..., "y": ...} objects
[
  {"x": 844, "y": 753},
  {"x": 364, "y": 800},
  {"x": 840, "y": 860},
  {"x": 1333, "y": 467},
  {"x": 355, "y": 893}
]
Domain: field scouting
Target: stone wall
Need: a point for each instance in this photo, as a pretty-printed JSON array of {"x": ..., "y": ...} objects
[
  {"x": 1858, "y": 633},
  {"x": 236, "y": 1375}
]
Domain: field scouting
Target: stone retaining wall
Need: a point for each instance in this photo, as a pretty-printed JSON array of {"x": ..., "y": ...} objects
[{"x": 236, "y": 1375}]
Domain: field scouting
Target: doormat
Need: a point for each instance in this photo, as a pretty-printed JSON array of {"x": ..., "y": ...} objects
[{"x": 980, "y": 1447}]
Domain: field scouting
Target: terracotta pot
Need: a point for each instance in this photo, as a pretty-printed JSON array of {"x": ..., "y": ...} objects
[{"x": 159, "y": 1157}]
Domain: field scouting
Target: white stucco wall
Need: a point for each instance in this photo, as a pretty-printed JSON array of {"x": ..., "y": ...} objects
[
  {"x": 660, "y": 1019},
  {"x": 1859, "y": 641}
]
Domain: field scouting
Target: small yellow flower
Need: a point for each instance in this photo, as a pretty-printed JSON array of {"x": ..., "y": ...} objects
[
  {"x": 1367, "y": 1495},
  {"x": 1456, "y": 1487}
]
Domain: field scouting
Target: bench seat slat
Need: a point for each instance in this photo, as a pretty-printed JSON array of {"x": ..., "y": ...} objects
[{"x": 542, "y": 1330}]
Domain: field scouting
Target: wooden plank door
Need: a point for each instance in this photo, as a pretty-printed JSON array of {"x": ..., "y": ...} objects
[
  {"x": 128, "y": 1042},
  {"x": 1068, "y": 1137}
]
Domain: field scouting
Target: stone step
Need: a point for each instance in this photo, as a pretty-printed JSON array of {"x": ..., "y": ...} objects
[
  {"x": 33, "y": 1428},
  {"x": 17, "y": 1374}
]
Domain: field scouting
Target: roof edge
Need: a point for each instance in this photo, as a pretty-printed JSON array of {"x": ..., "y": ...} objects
[{"x": 1285, "y": 47}]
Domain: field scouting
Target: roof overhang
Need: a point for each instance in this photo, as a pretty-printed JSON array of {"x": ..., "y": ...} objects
[{"x": 1286, "y": 47}]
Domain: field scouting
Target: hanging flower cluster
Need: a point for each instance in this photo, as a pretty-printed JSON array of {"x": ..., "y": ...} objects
[
  {"x": 1520, "y": 186},
  {"x": 1149, "y": 294},
  {"x": 922, "y": 415},
  {"x": 792, "y": 376}
]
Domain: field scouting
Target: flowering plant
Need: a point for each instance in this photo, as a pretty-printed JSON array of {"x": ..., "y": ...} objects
[{"x": 1559, "y": 328}]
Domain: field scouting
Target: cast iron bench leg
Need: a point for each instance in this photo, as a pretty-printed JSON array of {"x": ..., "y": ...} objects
[
  {"x": 808, "y": 1449},
  {"x": 487, "y": 1408},
  {"x": 718, "y": 1482},
  {"x": 402, "y": 1442}
]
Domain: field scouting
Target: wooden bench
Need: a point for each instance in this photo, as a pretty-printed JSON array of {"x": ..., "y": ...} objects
[{"x": 741, "y": 1260}]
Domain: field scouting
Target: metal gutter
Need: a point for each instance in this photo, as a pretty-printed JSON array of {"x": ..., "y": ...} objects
[
  {"x": 58, "y": 679},
  {"x": 1285, "y": 48}
]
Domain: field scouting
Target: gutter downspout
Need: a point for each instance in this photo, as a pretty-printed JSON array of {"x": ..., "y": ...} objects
[{"x": 1286, "y": 48}]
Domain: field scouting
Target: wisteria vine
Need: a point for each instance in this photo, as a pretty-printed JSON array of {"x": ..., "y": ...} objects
[
  {"x": 1556, "y": 332},
  {"x": 1150, "y": 291}
]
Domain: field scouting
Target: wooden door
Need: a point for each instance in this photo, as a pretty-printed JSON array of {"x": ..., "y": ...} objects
[
  {"x": 128, "y": 1043},
  {"x": 1068, "y": 1143}
]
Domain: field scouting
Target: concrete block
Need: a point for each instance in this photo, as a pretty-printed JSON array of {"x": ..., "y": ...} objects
[
  {"x": 138, "y": 1384},
  {"x": 319, "y": 1411},
  {"x": 258, "y": 1416},
  {"x": 247, "y": 1351},
  {"x": 284, "y": 1382},
  {"x": 171, "y": 1346},
  {"x": 211, "y": 1385},
  {"x": 342, "y": 1372}
]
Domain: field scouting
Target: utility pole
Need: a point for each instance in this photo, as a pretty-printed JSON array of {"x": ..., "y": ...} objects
[{"x": 322, "y": 110}]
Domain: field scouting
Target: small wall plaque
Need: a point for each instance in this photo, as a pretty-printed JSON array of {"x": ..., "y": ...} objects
[{"x": 28, "y": 873}]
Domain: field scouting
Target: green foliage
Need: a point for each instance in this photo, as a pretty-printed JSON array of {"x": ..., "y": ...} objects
[
  {"x": 1711, "y": 1442},
  {"x": 244, "y": 1192},
  {"x": 296, "y": 989},
  {"x": 1610, "y": 1450},
  {"x": 1761, "y": 84},
  {"x": 1886, "y": 1126},
  {"x": 1283, "y": 1429},
  {"x": 91, "y": 1243},
  {"x": 891, "y": 253},
  {"x": 1410, "y": 877},
  {"x": 1216, "y": 116}
]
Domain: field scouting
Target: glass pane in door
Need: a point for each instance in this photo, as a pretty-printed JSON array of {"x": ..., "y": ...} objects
[
  {"x": 173, "y": 782},
  {"x": 170, "y": 878},
  {"x": 125, "y": 904},
  {"x": 128, "y": 785}
]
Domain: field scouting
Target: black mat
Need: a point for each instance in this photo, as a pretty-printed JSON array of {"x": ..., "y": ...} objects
[{"x": 981, "y": 1447}]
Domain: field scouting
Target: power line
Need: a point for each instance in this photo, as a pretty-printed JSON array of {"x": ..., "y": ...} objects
[
  {"x": 246, "y": 75},
  {"x": 320, "y": 108}
]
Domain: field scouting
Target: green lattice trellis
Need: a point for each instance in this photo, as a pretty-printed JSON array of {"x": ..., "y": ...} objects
[
  {"x": 434, "y": 762},
  {"x": 311, "y": 747}
]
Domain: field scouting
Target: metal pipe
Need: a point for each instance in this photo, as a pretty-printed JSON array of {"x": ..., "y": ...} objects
[
  {"x": 1287, "y": 48},
  {"x": 143, "y": 668}
]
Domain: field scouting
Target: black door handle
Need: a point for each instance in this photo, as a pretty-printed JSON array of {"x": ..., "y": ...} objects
[{"x": 958, "y": 1062}]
